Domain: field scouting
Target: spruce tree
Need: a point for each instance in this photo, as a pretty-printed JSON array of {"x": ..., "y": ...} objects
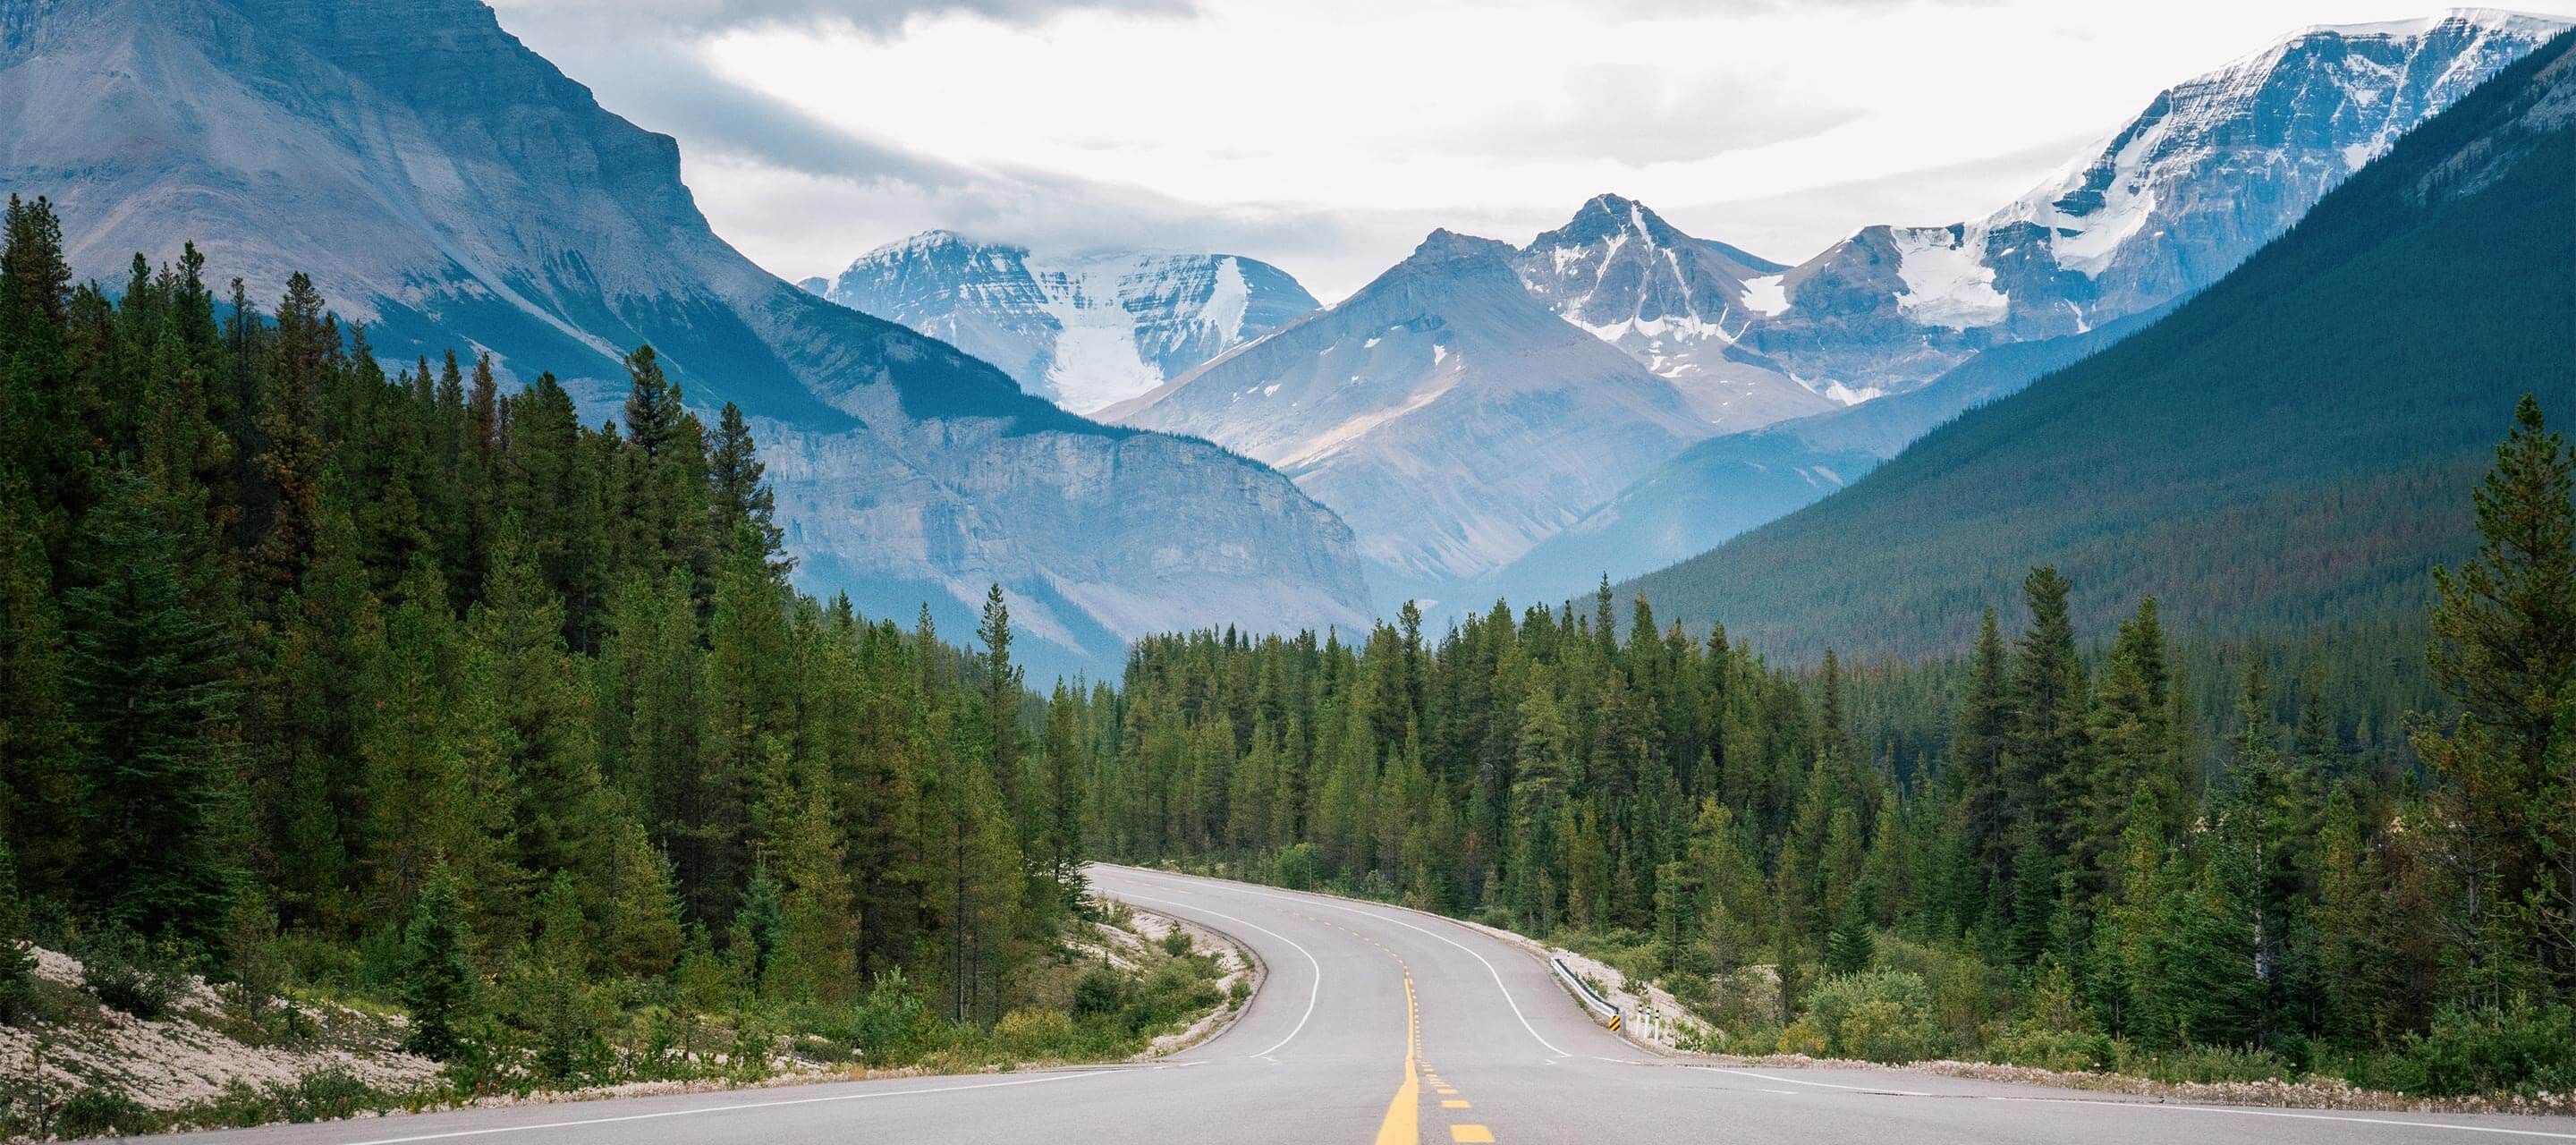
[
  {"x": 2504, "y": 649},
  {"x": 17, "y": 964},
  {"x": 439, "y": 981},
  {"x": 148, "y": 676},
  {"x": 1851, "y": 947},
  {"x": 2045, "y": 748}
]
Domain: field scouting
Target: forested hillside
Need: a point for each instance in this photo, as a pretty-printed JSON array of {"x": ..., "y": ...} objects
[
  {"x": 2281, "y": 451},
  {"x": 405, "y": 689},
  {"x": 2033, "y": 855}
]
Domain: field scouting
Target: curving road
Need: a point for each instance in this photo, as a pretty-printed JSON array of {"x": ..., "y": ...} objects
[{"x": 1382, "y": 1024}]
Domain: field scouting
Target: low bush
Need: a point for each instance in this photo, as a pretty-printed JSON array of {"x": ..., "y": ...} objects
[
  {"x": 122, "y": 970},
  {"x": 2520, "y": 1047},
  {"x": 102, "y": 1113},
  {"x": 1877, "y": 1015},
  {"x": 1300, "y": 867},
  {"x": 1028, "y": 1034},
  {"x": 2206, "y": 1064},
  {"x": 1802, "y": 1037},
  {"x": 886, "y": 1027},
  {"x": 2070, "y": 1051}
]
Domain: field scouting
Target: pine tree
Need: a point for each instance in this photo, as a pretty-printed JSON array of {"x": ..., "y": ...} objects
[
  {"x": 2504, "y": 649},
  {"x": 148, "y": 676},
  {"x": 642, "y": 935},
  {"x": 741, "y": 494},
  {"x": 17, "y": 964},
  {"x": 43, "y": 789},
  {"x": 1851, "y": 947},
  {"x": 2043, "y": 752},
  {"x": 1001, "y": 700},
  {"x": 439, "y": 982}
]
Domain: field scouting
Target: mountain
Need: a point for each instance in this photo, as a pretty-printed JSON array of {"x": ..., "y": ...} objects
[
  {"x": 447, "y": 187},
  {"x": 2211, "y": 169},
  {"x": 1728, "y": 484},
  {"x": 1442, "y": 410},
  {"x": 1676, "y": 303},
  {"x": 2295, "y": 444},
  {"x": 1087, "y": 332}
]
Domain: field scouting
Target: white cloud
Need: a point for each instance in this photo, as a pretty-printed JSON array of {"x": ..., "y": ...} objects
[{"x": 1328, "y": 135}]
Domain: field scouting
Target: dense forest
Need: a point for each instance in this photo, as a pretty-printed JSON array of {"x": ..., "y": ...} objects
[
  {"x": 324, "y": 682},
  {"x": 411, "y": 689},
  {"x": 2073, "y": 850}
]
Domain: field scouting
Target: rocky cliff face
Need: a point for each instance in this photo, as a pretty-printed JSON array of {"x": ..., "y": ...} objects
[
  {"x": 1086, "y": 332},
  {"x": 1445, "y": 413},
  {"x": 448, "y": 187},
  {"x": 1677, "y": 304}
]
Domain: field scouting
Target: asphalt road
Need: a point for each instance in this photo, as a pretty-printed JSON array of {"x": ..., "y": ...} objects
[{"x": 1381, "y": 1024}]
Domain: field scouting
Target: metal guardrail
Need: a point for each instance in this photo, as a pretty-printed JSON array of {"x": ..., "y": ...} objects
[{"x": 1592, "y": 1000}]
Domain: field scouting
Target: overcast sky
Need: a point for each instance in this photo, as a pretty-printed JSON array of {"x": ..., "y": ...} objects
[{"x": 1328, "y": 136}]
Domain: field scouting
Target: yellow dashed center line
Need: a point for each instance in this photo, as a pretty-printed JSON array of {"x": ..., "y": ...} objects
[{"x": 1403, "y": 1122}]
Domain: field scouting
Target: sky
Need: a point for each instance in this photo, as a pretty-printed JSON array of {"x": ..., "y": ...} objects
[{"x": 1328, "y": 136}]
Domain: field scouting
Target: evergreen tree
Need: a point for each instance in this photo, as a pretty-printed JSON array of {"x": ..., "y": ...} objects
[
  {"x": 439, "y": 982},
  {"x": 17, "y": 965},
  {"x": 148, "y": 676},
  {"x": 2504, "y": 649}
]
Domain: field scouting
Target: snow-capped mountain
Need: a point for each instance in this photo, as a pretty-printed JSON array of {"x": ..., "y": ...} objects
[
  {"x": 1442, "y": 410},
  {"x": 1676, "y": 303},
  {"x": 1945, "y": 318},
  {"x": 447, "y": 187},
  {"x": 2212, "y": 169},
  {"x": 1086, "y": 331}
]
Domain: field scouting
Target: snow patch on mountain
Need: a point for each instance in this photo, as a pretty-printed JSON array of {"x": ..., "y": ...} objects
[
  {"x": 1767, "y": 295},
  {"x": 1946, "y": 284}
]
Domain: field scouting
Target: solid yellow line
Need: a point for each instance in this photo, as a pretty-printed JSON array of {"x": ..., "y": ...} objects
[{"x": 1403, "y": 1124}]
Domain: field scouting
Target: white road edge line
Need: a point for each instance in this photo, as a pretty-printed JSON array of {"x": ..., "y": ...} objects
[
  {"x": 1824, "y": 1084},
  {"x": 735, "y": 1108},
  {"x": 1508, "y": 1000},
  {"x": 2301, "y": 1116},
  {"x": 1311, "y": 995},
  {"x": 2319, "y": 1116}
]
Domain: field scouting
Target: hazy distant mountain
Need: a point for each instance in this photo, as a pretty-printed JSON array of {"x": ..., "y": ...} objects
[
  {"x": 1086, "y": 331},
  {"x": 1445, "y": 413},
  {"x": 448, "y": 187},
  {"x": 2295, "y": 444}
]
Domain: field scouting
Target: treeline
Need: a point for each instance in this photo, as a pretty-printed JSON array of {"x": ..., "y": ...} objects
[
  {"x": 416, "y": 689},
  {"x": 2046, "y": 855}
]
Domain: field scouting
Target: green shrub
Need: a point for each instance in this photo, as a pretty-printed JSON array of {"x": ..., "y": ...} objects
[
  {"x": 2207, "y": 1064},
  {"x": 2520, "y": 1047},
  {"x": 1099, "y": 991},
  {"x": 886, "y": 1029},
  {"x": 102, "y": 1113},
  {"x": 125, "y": 972},
  {"x": 328, "y": 1096},
  {"x": 1878, "y": 1015},
  {"x": 1176, "y": 942},
  {"x": 1034, "y": 1033},
  {"x": 1300, "y": 867},
  {"x": 2071, "y": 1051},
  {"x": 1802, "y": 1037}
]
